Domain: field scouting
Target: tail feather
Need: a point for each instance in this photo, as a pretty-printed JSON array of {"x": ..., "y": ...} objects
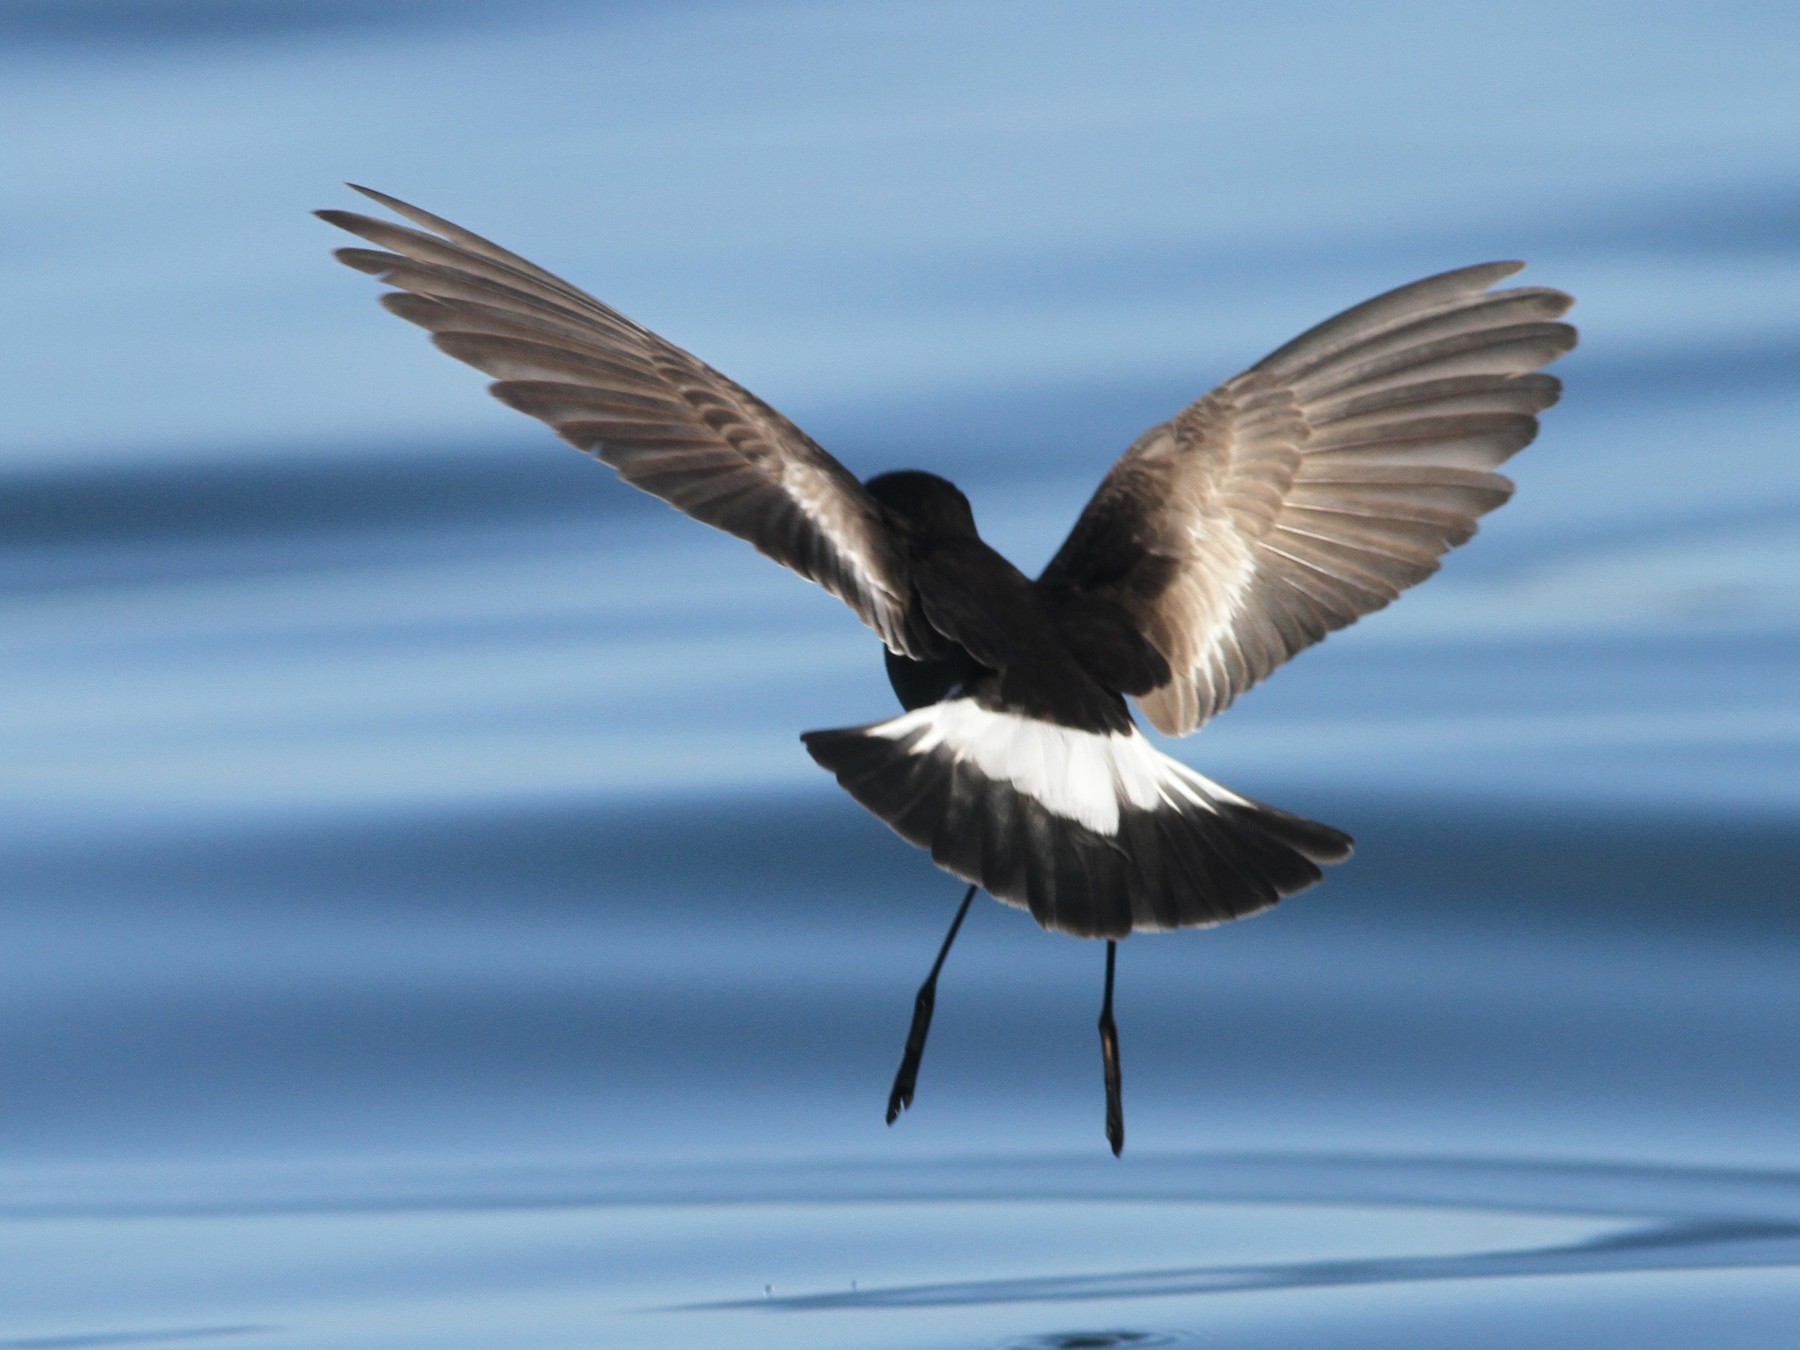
[{"x": 1096, "y": 834}]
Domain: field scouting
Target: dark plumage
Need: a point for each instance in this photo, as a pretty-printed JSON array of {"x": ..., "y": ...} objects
[{"x": 1290, "y": 501}]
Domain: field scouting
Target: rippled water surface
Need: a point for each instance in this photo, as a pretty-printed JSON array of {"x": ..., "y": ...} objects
[{"x": 419, "y": 921}]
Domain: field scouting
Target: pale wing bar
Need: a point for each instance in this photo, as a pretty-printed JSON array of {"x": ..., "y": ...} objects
[
  {"x": 669, "y": 423},
  {"x": 1319, "y": 484}
]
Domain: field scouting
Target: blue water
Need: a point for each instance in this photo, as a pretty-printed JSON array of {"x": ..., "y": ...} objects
[{"x": 421, "y": 924}]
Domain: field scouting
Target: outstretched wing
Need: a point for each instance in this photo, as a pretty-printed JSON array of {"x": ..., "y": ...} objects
[
  {"x": 1319, "y": 484},
  {"x": 668, "y": 422}
]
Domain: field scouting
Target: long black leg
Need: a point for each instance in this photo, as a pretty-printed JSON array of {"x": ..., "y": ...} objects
[
  {"x": 1109, "y": 1052},
  {"x": 904, "y": 1081}
]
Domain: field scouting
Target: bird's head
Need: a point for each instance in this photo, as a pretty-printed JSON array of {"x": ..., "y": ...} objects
[{"x": 929, "y": 504}]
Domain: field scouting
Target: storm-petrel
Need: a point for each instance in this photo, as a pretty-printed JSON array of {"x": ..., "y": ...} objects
[{"x": 1290, "y": 501}]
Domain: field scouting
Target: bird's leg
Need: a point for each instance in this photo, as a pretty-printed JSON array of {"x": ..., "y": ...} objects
[
  {"x": 1109, "y": 1052},
  {"x": 904, "y": 1081}
]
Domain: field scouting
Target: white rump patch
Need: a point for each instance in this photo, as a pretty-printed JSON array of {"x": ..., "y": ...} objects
[{"x": 1084, "y": 776}]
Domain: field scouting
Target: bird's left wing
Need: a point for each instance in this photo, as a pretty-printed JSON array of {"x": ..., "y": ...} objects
[
  {"x": 1317, "y": 485},
  {"x": 667, "y": 421}
]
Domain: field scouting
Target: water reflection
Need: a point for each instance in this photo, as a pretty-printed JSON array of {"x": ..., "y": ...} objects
[{"x": 1094, "y": 1340}]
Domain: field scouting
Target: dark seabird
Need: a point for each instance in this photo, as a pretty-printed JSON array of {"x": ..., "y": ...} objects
[{"x": 1293, "y": 499}]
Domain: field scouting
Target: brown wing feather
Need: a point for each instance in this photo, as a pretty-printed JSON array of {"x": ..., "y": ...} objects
[
  {"x": 1319, "y": 484},
  {"x": 668, "y": 422}
]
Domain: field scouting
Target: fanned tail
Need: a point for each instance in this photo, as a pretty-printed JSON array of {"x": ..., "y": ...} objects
[{"x": 1097, "y": 835}]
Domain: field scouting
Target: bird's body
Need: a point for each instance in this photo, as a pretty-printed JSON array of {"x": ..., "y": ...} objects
[
  {"x": 1019, "y": 766},
  {"x": 1296, "y": 497},
  {"x": 999, "y": 627}
]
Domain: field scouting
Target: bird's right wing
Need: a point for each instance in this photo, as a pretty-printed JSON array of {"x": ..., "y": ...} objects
[
  {"x": 1317, "y": 485},
  {"x": 668, "y": 422}
]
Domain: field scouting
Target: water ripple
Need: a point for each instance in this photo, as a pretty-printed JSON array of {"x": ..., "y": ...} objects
[
  {"x": 1678, "y": 1219},
  {"x": 94, "y": 1340},
  {"x": 1717, "y": 1245}
]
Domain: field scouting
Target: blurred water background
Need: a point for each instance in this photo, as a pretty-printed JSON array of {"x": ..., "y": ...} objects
[{"x": 421, "y": 923}]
